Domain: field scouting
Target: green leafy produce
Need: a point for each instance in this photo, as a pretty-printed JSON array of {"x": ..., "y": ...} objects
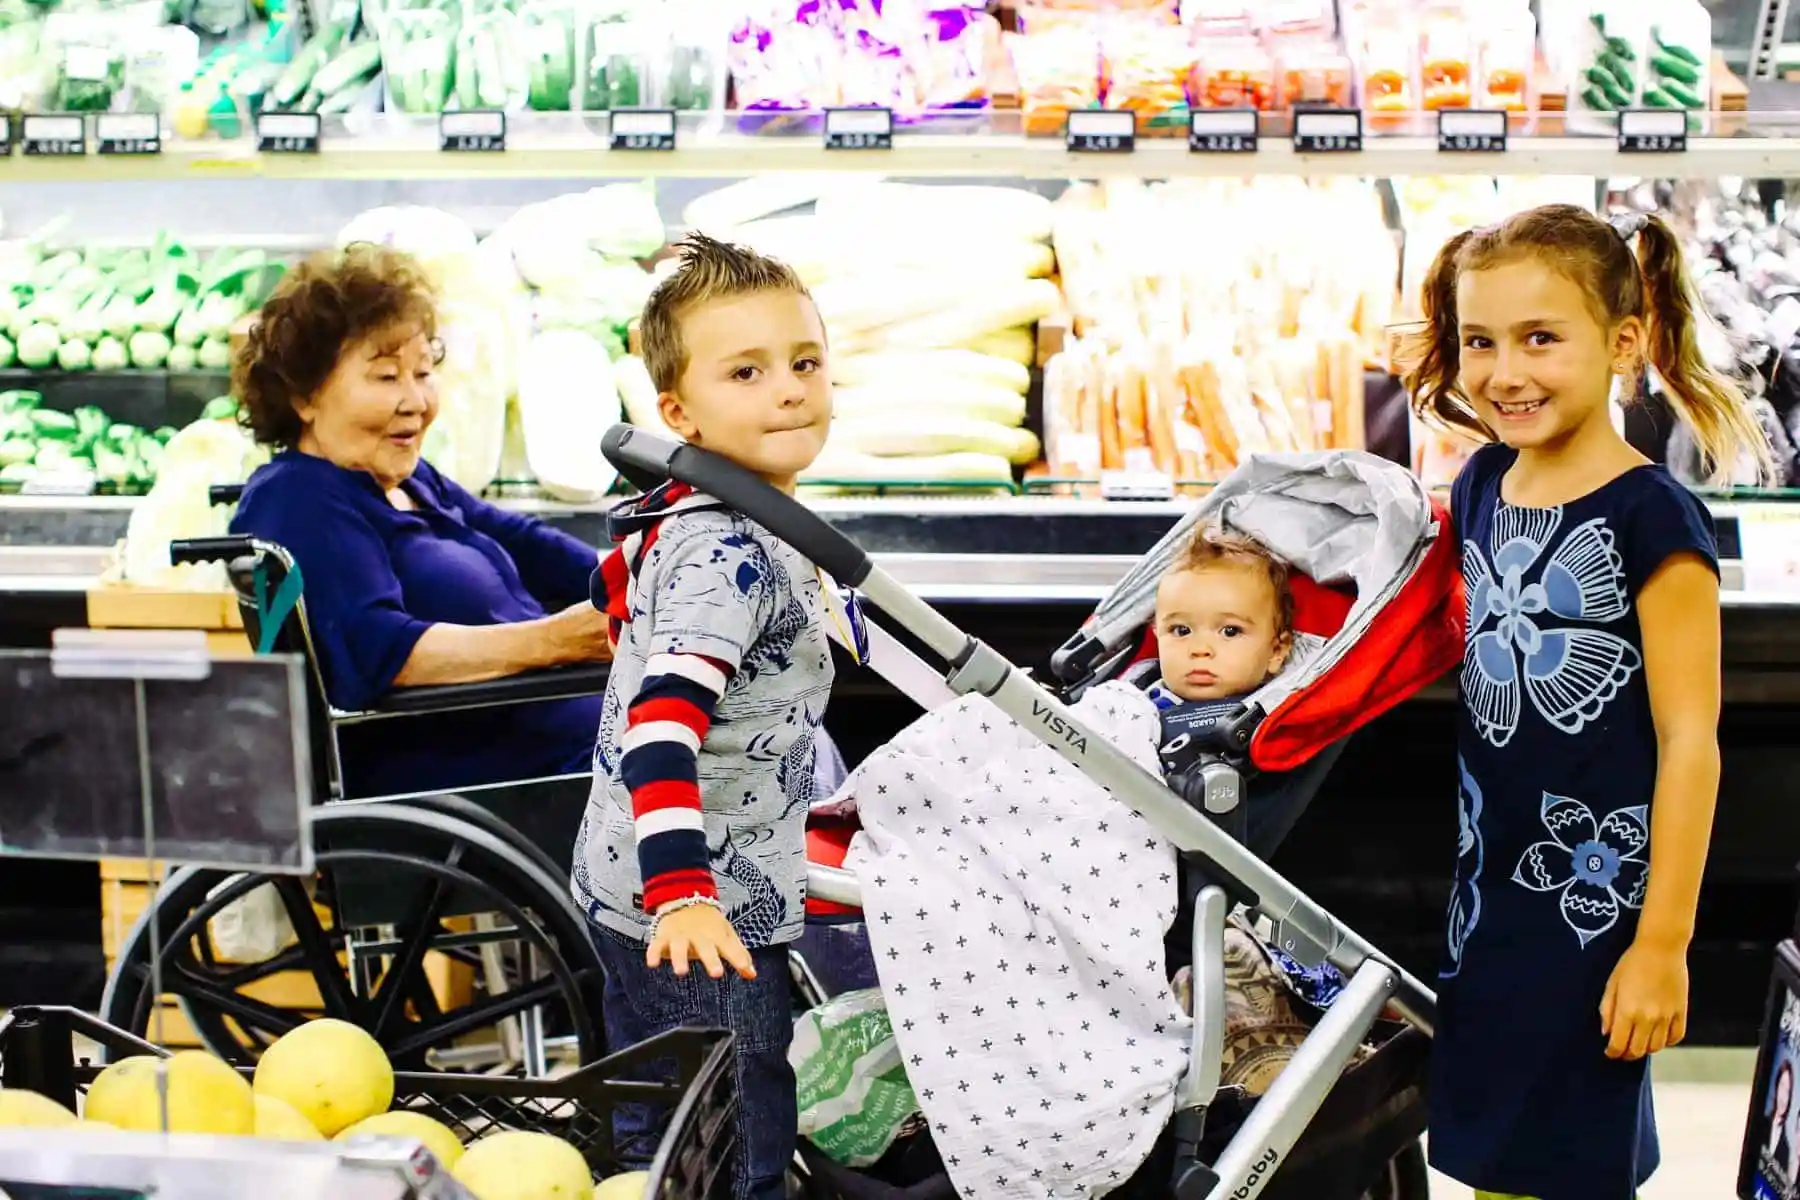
[
  {"x": 109, "y": 355},
  {"x": 74, "y": 356},
  {"x": 182, "y": 358},
  {"x": 418, "y": 48},
  {"x": 215, "y": 354},
  {"x": 1670, "y": 66},
  {"x": 38, "y": 345},
  {"x": 88, "y": 78},
  {"x": 149, "y": 349}
]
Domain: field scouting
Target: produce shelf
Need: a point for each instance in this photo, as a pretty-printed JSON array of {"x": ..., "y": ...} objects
[{"x": 562, "y": 146}]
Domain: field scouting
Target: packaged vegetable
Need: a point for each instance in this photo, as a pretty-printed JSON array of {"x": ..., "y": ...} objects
[
  {"x": 691, "y": 76},
  {"x": 546, "y": 33},
  {"x": 1446, "y": 56},
  {"x": 1218, "y": 18},
  {"x": 1058, "y": 70},
  {"x": 783, "y": 58},
  {"x": 615, "y": 63},
  {"x": 954, "y": 67},
  {"x": 1313, "y": 74},
  {"x": 418, "y": 48},
  {"x": 492, "y": 68},
  {"x": 1508, "y": 43},
  {"x": 1232, "y": 73},
  {"x": 1388, "y": 71},
  {"x": 1146, "y": 69}
]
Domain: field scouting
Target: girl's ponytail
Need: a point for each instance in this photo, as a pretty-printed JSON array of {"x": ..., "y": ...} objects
[
  {"x": 1705, "y": 400},
  {"x": 1432, "y": 379}
]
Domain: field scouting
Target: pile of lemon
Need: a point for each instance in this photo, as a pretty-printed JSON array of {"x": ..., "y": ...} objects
[{"x": 326, "y": 1079}]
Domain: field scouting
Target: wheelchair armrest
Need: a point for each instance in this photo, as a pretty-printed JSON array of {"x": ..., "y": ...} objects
[{"x": 556, "y": 683}]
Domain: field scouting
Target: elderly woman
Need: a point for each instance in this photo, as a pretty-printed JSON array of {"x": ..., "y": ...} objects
[{"x": 409, "y": 579}]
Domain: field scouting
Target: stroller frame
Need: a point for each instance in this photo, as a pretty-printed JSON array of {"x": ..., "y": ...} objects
[{"x": 1229, "y": 873}]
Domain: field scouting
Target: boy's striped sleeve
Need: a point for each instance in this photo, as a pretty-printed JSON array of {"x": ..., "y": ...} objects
[{"x": 665, "y": 725}]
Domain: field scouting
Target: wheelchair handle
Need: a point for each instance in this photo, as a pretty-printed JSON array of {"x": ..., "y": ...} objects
[
  {"x": 210, "y": 549},
  {"x": 646, "y": 460},
  {"x": 220, "y": 494}
]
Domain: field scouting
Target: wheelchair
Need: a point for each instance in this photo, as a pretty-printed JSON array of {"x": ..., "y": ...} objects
[{"x": 440, "y": 923}]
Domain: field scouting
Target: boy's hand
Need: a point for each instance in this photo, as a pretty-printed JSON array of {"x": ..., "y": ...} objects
[
  {"x": 1646, "y": 1003},
  {"x": 701, "y": 933}
]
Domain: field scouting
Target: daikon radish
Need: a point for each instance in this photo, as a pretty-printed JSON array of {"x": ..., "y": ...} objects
[
  {"x": 562, "y": 440},
  {"x": 853, "y": 370},
  {"x": 991, "y": 308},
  {"x": 719, "y": 212},
  {"x": 854, "y": 308},
  {"x": 902, "y": 435},
  {"x": 1016, "y": 344},
  {"x": 925, "y": 397}
]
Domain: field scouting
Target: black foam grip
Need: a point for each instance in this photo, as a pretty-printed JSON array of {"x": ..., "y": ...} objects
[{"x": 209, "y": 549}]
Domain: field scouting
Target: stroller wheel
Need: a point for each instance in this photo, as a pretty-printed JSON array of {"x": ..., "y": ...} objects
[{"x": 1406, "y": 1178}]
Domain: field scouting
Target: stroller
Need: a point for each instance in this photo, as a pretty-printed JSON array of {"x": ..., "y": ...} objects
[{"x": 1345, "y": 521}]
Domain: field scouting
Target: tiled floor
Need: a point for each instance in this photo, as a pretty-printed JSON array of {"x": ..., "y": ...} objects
[{"x": 1701, "y": 1125}]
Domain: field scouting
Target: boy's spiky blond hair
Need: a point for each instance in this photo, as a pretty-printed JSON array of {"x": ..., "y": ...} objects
[
  {"x": 1213, "y": 546},
  {"x": 710, "y": 270}
]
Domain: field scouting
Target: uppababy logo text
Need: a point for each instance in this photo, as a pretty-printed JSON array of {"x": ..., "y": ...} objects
[
  {"x": 1258, "y": 1173},
  {"x": 1061, "y": 728}
]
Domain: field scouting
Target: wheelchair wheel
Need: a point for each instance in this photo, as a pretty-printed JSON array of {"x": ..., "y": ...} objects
[{"x": 398, "y": 893}]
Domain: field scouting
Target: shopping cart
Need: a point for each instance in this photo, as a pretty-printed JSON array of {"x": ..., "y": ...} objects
[{"x": 1398, "y": 634}]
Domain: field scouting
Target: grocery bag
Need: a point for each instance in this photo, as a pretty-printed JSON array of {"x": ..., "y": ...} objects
[{"x": 855, "y": 1100}]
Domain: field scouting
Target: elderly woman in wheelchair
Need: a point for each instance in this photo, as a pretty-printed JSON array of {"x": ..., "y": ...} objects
[{"x": 449, "y": 645}]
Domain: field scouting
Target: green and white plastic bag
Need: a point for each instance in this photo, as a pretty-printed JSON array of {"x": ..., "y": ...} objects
[{"x": 854, "y": 1096}]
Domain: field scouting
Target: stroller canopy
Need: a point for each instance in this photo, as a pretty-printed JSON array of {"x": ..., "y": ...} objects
[{"x": 1378, "y": 602}]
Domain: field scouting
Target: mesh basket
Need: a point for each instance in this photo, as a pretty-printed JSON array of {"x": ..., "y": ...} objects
[{"x": 693, "y": 1162}]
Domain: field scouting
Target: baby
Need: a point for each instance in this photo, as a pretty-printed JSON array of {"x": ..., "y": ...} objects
[{"x": 1224, "y": 618}]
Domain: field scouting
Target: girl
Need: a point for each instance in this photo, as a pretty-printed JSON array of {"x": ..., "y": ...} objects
[{"x": 1589, "y": 696}]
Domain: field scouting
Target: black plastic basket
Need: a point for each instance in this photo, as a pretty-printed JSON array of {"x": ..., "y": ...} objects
[{"x": 693, "y": 1162}]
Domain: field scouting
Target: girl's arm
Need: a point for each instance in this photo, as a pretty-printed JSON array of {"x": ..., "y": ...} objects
[{"x": 1646, "y": 1002}]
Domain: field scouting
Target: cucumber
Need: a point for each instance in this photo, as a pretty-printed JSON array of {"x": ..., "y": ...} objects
[
  {"x": 1621, "y": 74},
  {"x": 353, "y": 65},
  {"x": 1675, "y": 48},
  {"x": 291, "y": 84},
  {"x": 1685, "y": 96},
  {"x": 1596, "y": 99},
  {"x": 1678, "y": 69},
  {"x": 1657, "y": 98}
]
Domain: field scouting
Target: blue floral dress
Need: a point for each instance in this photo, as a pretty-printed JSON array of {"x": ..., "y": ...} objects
[{"x": 1557, "y": 756}]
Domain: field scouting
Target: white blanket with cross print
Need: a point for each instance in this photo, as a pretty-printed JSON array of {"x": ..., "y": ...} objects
[{"x": 1017, "y": 914}]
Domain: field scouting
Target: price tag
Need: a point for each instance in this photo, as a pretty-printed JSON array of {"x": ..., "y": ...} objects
[
  {"x": 859, "y": 129},
  {"x": 1101, "y": 131},
  {"x": 1136, "y": 485},
  {"x": 1769, "y": 541},
  {"x": 1472, "y": 131},
  {"x": 1652, "y": 131},
  {"x": 288, "y": 133},
  {"x": 1222, "y": 131},
  {"x": 480, "y": 132},
  {"x": 59, "y": 481},
  {"x": 59, "y": 134},
  {"x": 128, "y": 133},
  {"x": 1327, "y": 131},
  {"x": 643, "y": 129}
]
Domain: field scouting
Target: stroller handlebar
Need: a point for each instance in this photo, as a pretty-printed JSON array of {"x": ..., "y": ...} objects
[{"x": 646, "y": 460}]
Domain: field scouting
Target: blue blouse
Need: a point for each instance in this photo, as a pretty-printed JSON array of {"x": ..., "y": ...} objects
[{"x": 377, "y": 577}]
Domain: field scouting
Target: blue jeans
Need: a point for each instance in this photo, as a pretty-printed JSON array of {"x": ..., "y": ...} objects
[{"x": 641, "y": 1003}]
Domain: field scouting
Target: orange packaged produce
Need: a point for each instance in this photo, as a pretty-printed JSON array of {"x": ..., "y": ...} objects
[
  {"x": 1313, "y": 74},
  {"x": 1508, "y": 46},
  {"x": 1232, "y": 73},
  {"x": 1446, "y": 55},
  {"x": 1145, "y": 68},
  {"x": 1387, "y": 77},
  {"x": 1058, "y": 70}
]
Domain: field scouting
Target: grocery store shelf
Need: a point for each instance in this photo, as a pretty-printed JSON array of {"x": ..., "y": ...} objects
[{"x": 564, "y": 147}]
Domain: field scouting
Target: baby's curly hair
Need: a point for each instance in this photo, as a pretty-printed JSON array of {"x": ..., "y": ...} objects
[
  {"x": 331, "y": 301},
  {"x": 1214, "y": 545}
]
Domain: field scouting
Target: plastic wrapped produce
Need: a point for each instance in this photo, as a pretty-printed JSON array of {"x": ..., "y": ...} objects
[
  {"x": 1307, "y": 20},
  {"x": 418, "y": 50},
  {"x": 546, "y": 34},
  {"x": 783, "y": 58},
  {"x": 1313, "y": 74},
  {"x": 1388, "y": 83},
  {"x": 1508, "y": 48},
  {"x": 616, "y": 56},
  {"x": 1146, "y": 68},
  {"x": 954, "y": 68},
  {"x": 1218, "y": 18},
  {"x": 692, "y": 76},
  {"x": 1232, "y": 73},
  {"x": 493, "y": 68},
  {"x": 1446, "y": 61},
  {"x": 1058, "y": 71}
]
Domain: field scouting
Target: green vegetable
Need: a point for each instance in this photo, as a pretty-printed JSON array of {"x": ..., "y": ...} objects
[
  {"x": 109, "y": 355},
  {"x": 418, "y": 46},
  {"x": 1621, "y": 73},
  {"x": 90, "y": 425},
  {"x": 163, "y": 433},
  {"x": 51, "y": 269},
  {"x": 1620, "y": 49},
  {"x": 1675, "y": 48},
  {"x": 19, "y": 401},
  {"x": 219, "y": 409},
  {"x": 38, "y": 345},
  {"x": 7, "y": 353},
  {"x": 88, "y": 78},
  {"x": 354, "y": 65},
  {"x": 50, "y": 425},
  {"x": 1685, "y": 96},
  {"x": 182, "y": 358},
  {"x": 215, "y": 354},
  {"x": 74, "y": 356},
  {"x": 149, "y": 349},
  {"x": 1657, "y": 98},
  {"x": 1671, "y": 67},
  {"x": 1602, "y": 80},
  {"x": 16, "y": 450},
  {"x": 18, "y": 473},
  {"x": 547, "y": 39},
  {"x": 190, "y": 328}
]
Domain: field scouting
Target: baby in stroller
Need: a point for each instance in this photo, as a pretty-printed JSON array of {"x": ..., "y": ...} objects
[{"x": 1082, "y": 1057}]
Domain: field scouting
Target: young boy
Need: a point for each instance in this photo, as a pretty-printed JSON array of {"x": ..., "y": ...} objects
[
  {"x": 692, "y": 852},
  {"x": 1224, "y": 618}
]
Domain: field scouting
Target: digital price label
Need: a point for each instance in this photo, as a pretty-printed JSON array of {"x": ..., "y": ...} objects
[
  {"x": 1101, "y": 131},
  {"x": 643, "y": 129},
  {"x": 1471, "y": 131},
  {"x": 1222, "y": 131},
  {"x": 288, "y": 133},
  {"x": 1652, "y": 131},
  {"x": 128, "y": 133},
  {"x": 1328, "y": 131},
  {"x": 859, "y": 129},
  {"x": 53, "y": 134},
  {"x": 478, "y": 132}
]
